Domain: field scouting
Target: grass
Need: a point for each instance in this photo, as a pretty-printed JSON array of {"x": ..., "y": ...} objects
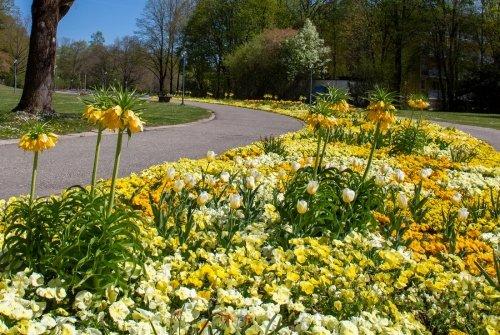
[
  {"x": 70, "y": 109},
  {"x": 472, "y": 119}
]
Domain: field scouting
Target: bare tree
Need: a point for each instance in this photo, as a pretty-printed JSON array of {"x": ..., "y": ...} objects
[
  {"x": 127, "y": 58},
  {"x": 37, "y": 92},
  {"x": 160, "y": 28}
]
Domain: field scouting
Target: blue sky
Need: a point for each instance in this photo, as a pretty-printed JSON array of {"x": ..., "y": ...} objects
[{"x": 115, "y": 18}]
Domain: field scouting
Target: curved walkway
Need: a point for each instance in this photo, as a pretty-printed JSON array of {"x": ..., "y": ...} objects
[{"x": 70, "y": 163}]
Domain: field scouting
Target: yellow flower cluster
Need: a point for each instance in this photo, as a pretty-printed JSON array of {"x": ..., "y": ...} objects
[
  {"x": 114, "y": 118},
  {"x": 340, "y": 107},
  {"x": 37, "y": 142},
  {"x": 420, "y": 104},
  {"x": 380, "y": 112},
  {"x": 317, "y": 121}
]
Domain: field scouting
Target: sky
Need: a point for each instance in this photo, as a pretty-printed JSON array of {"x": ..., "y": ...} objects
[{"x": 115, "y": 18}]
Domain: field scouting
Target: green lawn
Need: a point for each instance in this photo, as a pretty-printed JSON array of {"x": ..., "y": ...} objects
[
  {"x": 473, "y": 119},
  {"x": 70, "y": 109}
]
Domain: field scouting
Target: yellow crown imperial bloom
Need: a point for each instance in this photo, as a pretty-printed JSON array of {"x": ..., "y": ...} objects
[
  {"x": 341, "y": 106},
  {"x": 92, "y": 114},
  {"x": 112, "y": 118},
  {"x": 133, "y": 122},
  {"x": 38, "y": 142}
]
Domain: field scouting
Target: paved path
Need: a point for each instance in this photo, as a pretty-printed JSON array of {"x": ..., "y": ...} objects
[
  {"x": 490, "y": 135},
  {"x": 70, "y": 163}
]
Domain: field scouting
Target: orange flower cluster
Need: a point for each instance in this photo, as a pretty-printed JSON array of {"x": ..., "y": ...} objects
[
  {"x": 341, "y": 107},
  {"x": 381, "y": 112},
  {"x": 418, "y": 104},
  {"x": 114, "y": 118},
  {"x": 317, "y": 121}
]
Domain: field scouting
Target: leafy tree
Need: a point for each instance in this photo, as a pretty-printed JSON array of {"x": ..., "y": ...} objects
[{"x": 253, "y": 63}]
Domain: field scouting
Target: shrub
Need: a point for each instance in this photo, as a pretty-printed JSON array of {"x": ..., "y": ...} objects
[
  {"x": 274, "y": 145},
  {"x": 328, "y": 213},
  {"x": 72, "y": 238},
  {"x": 409, "y": 140},
  {"x": 462, "y": 153}
]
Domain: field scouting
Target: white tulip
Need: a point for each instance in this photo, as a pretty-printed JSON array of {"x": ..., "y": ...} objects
[
  {"x": 426, "y": 173},
  {"x": 203, "y": 198},
  {"x": 312, "y": 187},
  {"x": 302, "y": 206},
  {"x": 211, "y": 156},
  {"x": 225, "y": 176},
  {"x": 400, "y": 176},
  {"x": 189, "y": 180},
  {"x": 178, "y": 185},
  {"x": 348, "y": 195},
  {"x": 238, "y": 160},
  {"x": 463, "y": 213},
  {"x": 296, "y": 166},
  {"x": 235, "y": 201},
  {"x": 379, "y": 180},
  {"x": 250, "y": 183},
  {"x": 171, "y": 173},
  {"x": 402, "y": 200},
  {"x": 456, "y": 199}
]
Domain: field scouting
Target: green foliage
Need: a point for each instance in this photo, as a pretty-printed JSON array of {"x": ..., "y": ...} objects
[
  {"x": 463, "y": 153},
  {"x": 173, "y": 214},
  {"x": 418, "y": 204},
  {"x": 328, "y": 214},
  {"x": 409, "y": 140},
  {"x": 273, "y": 145},
  {"x": 495, "y": 282},
  {"x": 71, "y": 238},
  {"x": 253, "y": 63}
]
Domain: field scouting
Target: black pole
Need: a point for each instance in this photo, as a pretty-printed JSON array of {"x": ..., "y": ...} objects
[{"x": 183, "y": 78}]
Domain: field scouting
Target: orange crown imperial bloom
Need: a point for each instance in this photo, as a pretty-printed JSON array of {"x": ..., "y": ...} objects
[
  {"x": 383, "y": 113},
  {"x": 111, "y": 118},
  {"x": 38, "y": 142},
  {"x": 320, "y": 121},
  {"x": 92, "y": 114},
  {"x": 133, "y": 122},
  {"x": 341, "y": 106}
]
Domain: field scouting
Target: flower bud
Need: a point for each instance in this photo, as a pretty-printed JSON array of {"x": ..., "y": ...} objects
[
  {"x": 203, "y": 198},
  {"x": 296, "y": 166},
  {"x": 171, "y": 174},
  {"x": 189, "y": 180},
  {"x": 456, "y": 199},
  {"x": 348, "y": 195},
  {"x": 426, "y": 173},
  {"x": 235, "y": 201},
  {"x": 210, "y": 156},
  {"x": 225, "y": 176},
  {"x": 401, "y": 200},
  {"x": 250, "y": 183},
  {"x": 462, "y": 214},
  {"x": 302, "y": 206},
  {"x": 178, "y": 185},
  {"x": 400, "y": 176},
  {"x": 312, "y": 187}
]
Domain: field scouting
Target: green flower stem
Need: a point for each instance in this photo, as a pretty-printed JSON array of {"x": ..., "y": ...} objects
[
  {"x": 316, "y": 160},
  {"x": 374, "y": 145},
  {"x": 115, "y": 170},
  {"x": 33, "y": 177},
  {"x": 96, "y": 161},
  {"x": 324, "y": 149}
]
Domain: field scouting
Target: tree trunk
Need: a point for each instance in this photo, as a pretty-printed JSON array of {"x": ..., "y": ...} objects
[{"x": 37, "y": 92}]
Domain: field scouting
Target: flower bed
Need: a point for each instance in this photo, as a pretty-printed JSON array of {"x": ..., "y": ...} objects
[{"x": 244, "y": 243}]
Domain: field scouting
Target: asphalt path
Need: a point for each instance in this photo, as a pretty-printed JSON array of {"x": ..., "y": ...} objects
[{"x": 70, "y": 162}]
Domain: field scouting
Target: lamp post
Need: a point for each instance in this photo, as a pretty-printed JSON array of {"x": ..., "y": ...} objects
[
  {"x": 183, "y": 56},
  {"x": 15, "y": 74},
  {"x": 311, "y": 86}
]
